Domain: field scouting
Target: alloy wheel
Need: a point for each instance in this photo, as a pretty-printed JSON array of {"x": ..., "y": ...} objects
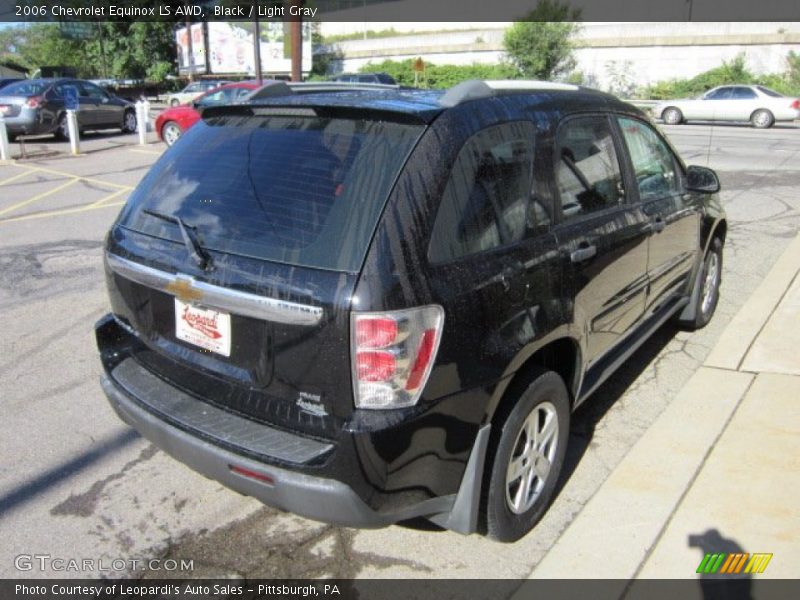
[{"x": 530, "y": 462}]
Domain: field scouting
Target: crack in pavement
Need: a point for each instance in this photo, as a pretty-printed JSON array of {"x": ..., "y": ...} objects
[
  {"x": 84, "y": 504},
  {"x": 254, "y": 548}
]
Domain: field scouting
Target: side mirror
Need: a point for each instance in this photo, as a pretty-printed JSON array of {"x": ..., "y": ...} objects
[{"x": 702, "y": 179}]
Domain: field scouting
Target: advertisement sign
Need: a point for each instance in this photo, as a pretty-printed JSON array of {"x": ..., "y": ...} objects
[
  {"x": 198, "y": 49},
  {"x": 230, "y": 48}
]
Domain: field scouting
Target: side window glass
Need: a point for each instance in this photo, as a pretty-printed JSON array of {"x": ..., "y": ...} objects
[
  {"x": 653, "y": 163},
  {"x": 485, "y": 204},
  {"x": 720, "y": 94},
  {"x": 92, "y": 91},
  {"x": 587, "y": 169},
  {"x": 742, "y": 93}
]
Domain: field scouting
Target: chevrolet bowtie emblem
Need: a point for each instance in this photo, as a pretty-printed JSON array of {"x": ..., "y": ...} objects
[{"x": 184, "y": 290}]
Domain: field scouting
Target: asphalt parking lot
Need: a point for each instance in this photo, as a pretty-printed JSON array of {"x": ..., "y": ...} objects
[{"x": 76, "y": 482}]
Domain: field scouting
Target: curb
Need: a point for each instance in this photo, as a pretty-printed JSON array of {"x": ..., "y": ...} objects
[{"x": 633, "y": 507}]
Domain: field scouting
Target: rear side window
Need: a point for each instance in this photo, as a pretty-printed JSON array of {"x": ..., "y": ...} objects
[
  {"x": 742, "y": 93},
  {"x": 485, "y": 202},
  {"x": 769, "y": 92},
  {"x": 24, "y": 88},
  {"x": 302, "y": 190},
  {"x": 587, "y": 168}
]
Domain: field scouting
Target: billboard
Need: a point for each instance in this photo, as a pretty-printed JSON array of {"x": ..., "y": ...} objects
[
  {"x": 198, "y": 49},
  {"x": 230, "y": 48}
]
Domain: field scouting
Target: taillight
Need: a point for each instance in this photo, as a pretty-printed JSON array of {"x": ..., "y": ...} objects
[
  {"x": 392, "y": 355},
  {"x": 796, "y": 104},
  {"x": 34, "y": 102}
]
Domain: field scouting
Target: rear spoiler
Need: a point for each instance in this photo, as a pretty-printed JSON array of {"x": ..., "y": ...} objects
[{"x": 273, "y": 89}]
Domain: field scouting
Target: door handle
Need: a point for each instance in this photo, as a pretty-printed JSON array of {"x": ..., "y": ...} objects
[{"x": 584, "y": 252}]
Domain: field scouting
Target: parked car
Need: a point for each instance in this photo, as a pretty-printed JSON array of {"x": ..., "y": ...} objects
[
  {"x": 4, "y": 81},
  {"x": 193, "y": 91},
  {"x": 173, "y": 122},
  {"x": 761, "y": 106},
  {"x": 370, "y": 306},
  {"x": 36, "y": 106},
  {"x": 383, "y": 78}
]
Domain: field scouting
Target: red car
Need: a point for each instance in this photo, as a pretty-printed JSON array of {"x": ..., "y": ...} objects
[{"x": 171, "y": 123}]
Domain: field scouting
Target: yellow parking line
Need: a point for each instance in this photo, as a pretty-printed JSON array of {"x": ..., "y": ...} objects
[
  {"x": 39, "y": 196},
  {"x": 15, "y": 177},
  {"x": 106, "y": 198},
  {"x": 89, "y": 179},
  {"x": 63, "y": 211}
]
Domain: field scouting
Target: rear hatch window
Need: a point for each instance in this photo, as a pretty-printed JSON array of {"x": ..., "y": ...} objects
[{"x": 303, "y": 190}]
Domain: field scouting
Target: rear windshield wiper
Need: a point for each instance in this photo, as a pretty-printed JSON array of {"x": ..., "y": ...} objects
[{"x": 196, "y": 251}]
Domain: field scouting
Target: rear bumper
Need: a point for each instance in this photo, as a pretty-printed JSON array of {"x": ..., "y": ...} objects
[
  {"x": 370, "y": 475},
  {"x": 25, "y": 125},
  {"x": 317, "y": 498}
]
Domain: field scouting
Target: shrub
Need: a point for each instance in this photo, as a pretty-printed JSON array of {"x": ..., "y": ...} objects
[
  {"x": 729, "y": 72},
  {"x": 439, "y": 76}
]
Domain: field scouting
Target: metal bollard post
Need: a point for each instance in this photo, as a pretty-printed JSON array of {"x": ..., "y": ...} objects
[
  {"x": 147, "y": 115},
  {"x": 5, "y": 153},
  {"x": 141, "y": 123},
  {"x": 72, "y": 127}
]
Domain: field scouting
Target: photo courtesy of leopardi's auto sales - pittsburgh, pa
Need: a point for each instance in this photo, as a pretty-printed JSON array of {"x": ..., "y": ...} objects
[
  {"x": 369, "y": 304},
  {"x": 189, "y": 589}
]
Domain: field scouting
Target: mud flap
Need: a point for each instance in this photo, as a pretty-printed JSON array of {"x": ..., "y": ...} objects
[{"x": 463, "y": 517}]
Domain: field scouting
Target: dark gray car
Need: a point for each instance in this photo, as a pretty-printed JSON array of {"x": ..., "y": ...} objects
[{"x": 36, "y": 106}]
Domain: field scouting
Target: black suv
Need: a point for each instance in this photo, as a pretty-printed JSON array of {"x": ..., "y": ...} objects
[{"x": 370, "y": 306}]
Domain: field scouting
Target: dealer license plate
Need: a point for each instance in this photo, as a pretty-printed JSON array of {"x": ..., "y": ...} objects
[{"x": 204, "y": 327}]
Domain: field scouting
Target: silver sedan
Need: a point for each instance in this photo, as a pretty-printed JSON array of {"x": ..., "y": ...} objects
[{"x": 755, "y": 103}]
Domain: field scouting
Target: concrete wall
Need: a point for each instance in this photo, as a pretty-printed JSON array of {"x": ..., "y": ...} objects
[{"x": 642, "y": 52}]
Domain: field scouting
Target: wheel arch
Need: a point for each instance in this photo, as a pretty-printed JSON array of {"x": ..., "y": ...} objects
[
  {"x": 716, "y": 229},
  {"x": 562, "y": 355},
  {"x": 765, "y": 109}
]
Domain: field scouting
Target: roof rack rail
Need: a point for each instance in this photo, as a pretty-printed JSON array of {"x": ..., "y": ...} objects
[
  {"x": 283, "y": 88},
  {"x": 473, "y": 89}
]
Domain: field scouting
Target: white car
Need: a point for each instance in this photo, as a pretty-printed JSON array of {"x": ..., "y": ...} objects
[
  {"x": 755, "y": 103},
  {"x": 192, "y": 91}
]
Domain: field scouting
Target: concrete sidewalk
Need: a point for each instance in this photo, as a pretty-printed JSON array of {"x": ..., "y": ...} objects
[{"x": 719, "y": 470}]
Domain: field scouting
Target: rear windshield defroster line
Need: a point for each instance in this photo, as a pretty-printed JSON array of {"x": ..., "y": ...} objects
[{"x": 301, "y": 190}]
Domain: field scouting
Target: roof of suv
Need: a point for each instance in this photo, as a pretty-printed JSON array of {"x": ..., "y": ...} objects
[{"x": 425, "y": 105}]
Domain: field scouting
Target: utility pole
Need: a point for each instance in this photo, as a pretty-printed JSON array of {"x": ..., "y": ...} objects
[
  {"x": 296, "y": 32},
  {"x": 257, "y": 47},
  {"x": 191, "y": 48}
]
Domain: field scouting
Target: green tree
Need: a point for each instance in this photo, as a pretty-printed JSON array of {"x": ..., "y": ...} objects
[
  {"x": 540, "y": 46},
  {"x": 41, "y": 44},
  {"x": 126, "y": 50}
]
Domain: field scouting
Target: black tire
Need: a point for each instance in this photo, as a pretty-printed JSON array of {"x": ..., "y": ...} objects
[
  {"x": 672, "y": 116},
  {"x": 762, "y": 119},
  {"x": 62, "y": 130},
  {"x": 129, "y": 121},
  {"x": 707, "y": 286},
  {"x": 174, "y": 102},
  {"x": 545, "y": 398}
]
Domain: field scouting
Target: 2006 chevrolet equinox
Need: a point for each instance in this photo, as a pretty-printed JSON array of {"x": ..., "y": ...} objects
[{"x": 369, "y": 305}]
